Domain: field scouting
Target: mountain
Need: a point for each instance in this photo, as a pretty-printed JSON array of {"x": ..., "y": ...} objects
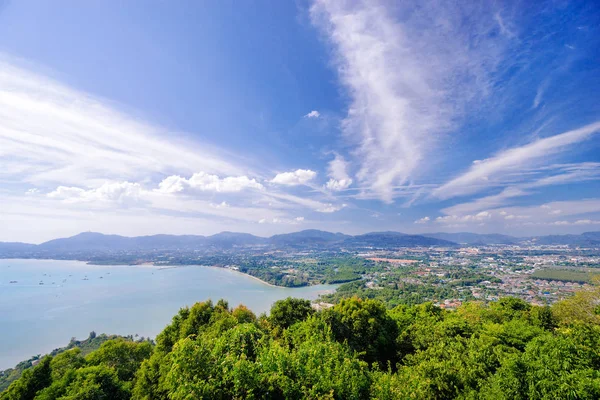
[
  {"x": 585, "y": 239},
  {"x": 90, "y": 241},
  {"x": 394, "y": 239},
  {"x": 309, "y": 237},
  {"x": 230, "y": 239},
  {"x": 474, "y": 238},
  {"x": 15, "y": 247}
]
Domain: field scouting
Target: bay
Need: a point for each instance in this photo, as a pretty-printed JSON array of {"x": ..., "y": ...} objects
[{"x": 51, "y": 301}]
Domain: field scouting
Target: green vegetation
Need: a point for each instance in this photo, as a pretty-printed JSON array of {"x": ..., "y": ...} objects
[
  {"x": 564, "y": 275},
  {"x": 358, "y": 349},
  {"x": 396, "y": 294},
  {"x": 298, "y": 271},
  {"x": 93, "y": 342}
]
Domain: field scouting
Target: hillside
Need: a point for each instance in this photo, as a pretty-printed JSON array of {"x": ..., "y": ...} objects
[
  {"x": 357, "y": 349},
  {"x": 308, "y": 239},
  {"x": 474, "y": 238},
  {"x": 393, "y": 239}
]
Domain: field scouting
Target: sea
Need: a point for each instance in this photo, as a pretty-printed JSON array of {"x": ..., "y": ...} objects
[{"x": 44, "y": 303}]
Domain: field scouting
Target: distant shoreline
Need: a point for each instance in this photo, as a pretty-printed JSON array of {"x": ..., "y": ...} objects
[
  {"x": 161, "y": 266},
  {"x": 150, "y": 264}
]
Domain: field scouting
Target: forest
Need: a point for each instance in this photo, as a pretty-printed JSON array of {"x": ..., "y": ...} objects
[{"x": 357, "y": 349}]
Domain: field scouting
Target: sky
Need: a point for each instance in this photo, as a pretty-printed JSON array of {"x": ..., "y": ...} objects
[{"x": 187, "y": 117}]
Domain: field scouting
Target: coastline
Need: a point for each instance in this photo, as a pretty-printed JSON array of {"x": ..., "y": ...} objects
[
  {"x": 160, "y": 267},
  {"x": 248, "y": 275}
]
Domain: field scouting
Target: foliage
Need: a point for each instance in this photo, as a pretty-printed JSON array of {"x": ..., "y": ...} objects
[
  {"x": 358, "y": 349},
  {"x": 85, "y": 346}
]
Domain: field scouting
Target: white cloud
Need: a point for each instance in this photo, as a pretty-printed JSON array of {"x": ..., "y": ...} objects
[
  {"x": 502, "y": 25},
  {"x": 294, "y": 178},
  {"x": 410, "y": 70},
  {"x": 338, "y": 173},
  {"x": 423, "y": 220},
  {"x": 51, "y": 134},
  {"x": 293, "y": 201},
  {"x": 586, "y": 222},
  {"x": 329, "y": 208},
  {"x": 313, "y": 114},
  {"x": 288, "y": 221},
  {"x": 223, "y": 204},
  {"x": 485, "y": 203},
  {"x": 567, "y": 174},
  {"x": 481, "y": 216},
  {"x": 571, "y": 213},
  {"x": 210, "y": 183},
  {"x": 540, "y": 93},
  {"x": 110, "y": 192},
  {"x": 480, "y": 175}
]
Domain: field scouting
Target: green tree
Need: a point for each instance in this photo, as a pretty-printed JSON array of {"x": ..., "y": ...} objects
[
  {"x": 32, "y": 381},
  {"x": 367, "y": 328},
  {"x": 285, "y": 313}
]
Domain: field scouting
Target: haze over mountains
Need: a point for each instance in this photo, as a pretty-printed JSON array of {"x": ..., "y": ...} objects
[{"x": 98, "y": 242}]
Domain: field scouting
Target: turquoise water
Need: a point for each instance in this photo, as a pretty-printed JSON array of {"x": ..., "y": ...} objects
[{"x": 77, "y": 298}]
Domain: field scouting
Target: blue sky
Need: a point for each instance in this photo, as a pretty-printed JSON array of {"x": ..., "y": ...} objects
[{"x": 185, "y": 117}]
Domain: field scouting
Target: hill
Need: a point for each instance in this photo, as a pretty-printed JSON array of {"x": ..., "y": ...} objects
[
  {"x": 91, "y": 242},
  {"x": 393, "y": 239},
  {"x": 309, "y": 237},
  {"x": 474, "y": 238}
]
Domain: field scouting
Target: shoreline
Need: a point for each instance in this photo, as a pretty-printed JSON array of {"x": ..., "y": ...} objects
[{"x": 150, "y": 264}]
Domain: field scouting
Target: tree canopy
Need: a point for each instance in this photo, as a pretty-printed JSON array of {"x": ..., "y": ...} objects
[{"x": 358, "y": 349}]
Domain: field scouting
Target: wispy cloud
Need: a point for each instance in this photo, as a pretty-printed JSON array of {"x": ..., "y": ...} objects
[
  {"x": 485, "y": 173},
  {"x": 561, "y": 174},
  {"x": 50, "y": 133},
  {"x": 313, "y": 114},
  {"x": 557, "y": 213},
  {"x": 72, "y": 156},
  {"x": 408, "y": 83}
]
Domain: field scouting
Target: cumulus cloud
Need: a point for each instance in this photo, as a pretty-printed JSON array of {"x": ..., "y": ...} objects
[
  {"x": 112, "y": 192},
  {"x": 338, "y": 173},
  {"x": 423, "y": 220},
  {"x": 208, "y": 183},
  {"x": 313, "y": 114},
  {"x": 223, "y": 204},
  {"x": 294, "y": 178},
  {"x": 288, "y": 221},
  {"x": 481, "y": 216}
]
